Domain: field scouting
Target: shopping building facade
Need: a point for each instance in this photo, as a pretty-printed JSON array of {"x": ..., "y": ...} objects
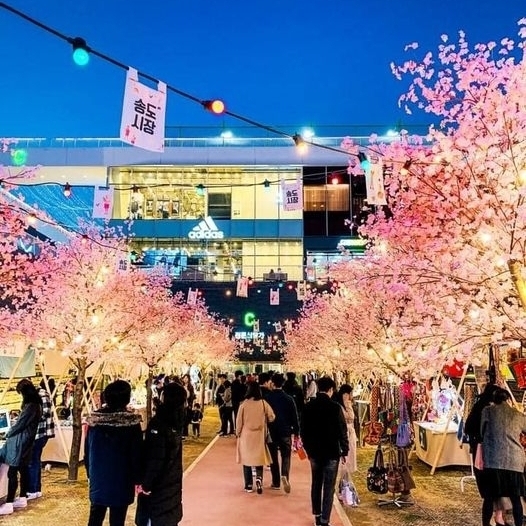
[{"x": 209, "y": 209}]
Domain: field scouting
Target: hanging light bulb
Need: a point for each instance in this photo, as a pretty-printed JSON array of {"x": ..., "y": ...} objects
[
  {"x": 335, "y": 179},
  {"x": 67, "y": 190},
  {"x": 216, "y": 106},
  {"x": 266, "y": 184},
  {"x": 200, "y": 190},
  {"x": 80, "y": 51},
  {"x": 405, "y": 168},
  {"x": 364, "y": 161},
  {"x": 135, "y": 189},
  {"x": 31, "y": 219}
]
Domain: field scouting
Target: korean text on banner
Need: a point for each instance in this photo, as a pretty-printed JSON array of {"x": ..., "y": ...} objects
[
  {"x": 143, "y": 114},
  {"x": 292, "y": 195},
  {"x": 103, "y": 203}
]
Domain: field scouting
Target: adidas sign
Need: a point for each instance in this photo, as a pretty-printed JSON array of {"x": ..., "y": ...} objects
[{"x": 206, "y": 229}]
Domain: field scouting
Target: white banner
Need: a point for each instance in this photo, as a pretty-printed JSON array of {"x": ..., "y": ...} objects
[
  {"x": 123, "y": 263},
  {"x": 292, "y": 195},
  {"x": 242, "y": 287},
  {"x": 374, "y": 179},
  {"x": 191, "y": 299},
  {"x": 102, "y": 203},
  {"x": 274, "y": 297},
  {"x": 15, "y": 347},
  {"x": 143, "y": 114}
]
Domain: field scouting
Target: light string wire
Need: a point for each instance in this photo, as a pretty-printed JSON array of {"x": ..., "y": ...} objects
[{"x": 297, "y": 138}]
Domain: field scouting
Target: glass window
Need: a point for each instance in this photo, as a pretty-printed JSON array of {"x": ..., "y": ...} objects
[
  {"x": 314, "y": 198},
  {"x": 220, "y": 205},
  {"x": 338, "y": 197}
]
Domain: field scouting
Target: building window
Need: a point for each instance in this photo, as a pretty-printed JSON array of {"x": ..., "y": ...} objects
[
  {"x": 314, "y": 198},
  {"x": 338, "y": 198},
  {"x": 220, "y": 205}
]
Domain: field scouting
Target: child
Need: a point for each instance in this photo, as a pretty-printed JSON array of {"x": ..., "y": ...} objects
[{"x": 197, "y": 416}]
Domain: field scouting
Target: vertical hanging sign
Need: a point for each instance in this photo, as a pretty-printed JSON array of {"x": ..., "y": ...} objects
[
  {"x": 242, "y": 287},
  {"x": 374, "y": 178},
  {"x": 102, "y": 203},
  {"x": 292, "y": 193},
  {"x": 143, "y": 114},
  {"x": 274, "y": 297}
]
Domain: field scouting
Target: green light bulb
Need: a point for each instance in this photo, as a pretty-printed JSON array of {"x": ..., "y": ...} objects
[
  {"x": 80, "y": 57},
  {"x": 19, "y": 157}
]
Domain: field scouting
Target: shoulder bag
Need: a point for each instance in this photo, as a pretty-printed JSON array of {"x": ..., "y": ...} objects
[{"x": 377, "y": 474}]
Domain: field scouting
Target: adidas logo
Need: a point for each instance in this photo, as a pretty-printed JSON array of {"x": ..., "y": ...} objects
[{"x": 206, "y": 229}]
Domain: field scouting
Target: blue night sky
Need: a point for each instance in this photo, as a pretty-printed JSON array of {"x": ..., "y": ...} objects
[{"x": 308, "y": 62}]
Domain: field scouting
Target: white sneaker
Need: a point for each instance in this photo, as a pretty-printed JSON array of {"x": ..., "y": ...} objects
[
  {"x": 36, "y": 495},
  {"x": 6, "y": 508},
  {"x": 20, "y": 502}
]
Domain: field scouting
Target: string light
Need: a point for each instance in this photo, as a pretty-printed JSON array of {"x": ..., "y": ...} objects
[
  {"x": 80, "y": 51},
  {"x": 364, "y": 161},
  {"x": 405, "y": 168},
  {"x": 81, "y": 55},
  {"x": 67, "y": 190},
  {"x": 266, "y": 184},
  {"x": 200, "y": 190},
  {"x": 216, "y": 106}
]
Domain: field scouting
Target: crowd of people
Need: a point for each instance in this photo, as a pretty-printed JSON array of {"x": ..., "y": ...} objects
[{"x": 270, "y": 414}]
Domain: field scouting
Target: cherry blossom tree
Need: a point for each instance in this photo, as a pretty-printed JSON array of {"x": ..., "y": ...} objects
[
  {"x": 455, "y": 232},
  {"x": 84, "y": 308}
]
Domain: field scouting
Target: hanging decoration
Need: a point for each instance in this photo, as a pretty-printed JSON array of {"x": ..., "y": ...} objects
[
  {"x": 274, "y": 296},
  {"x": 292, "y": 193},
  {"x": 242, "y": 287},
  {"x": 374, "y": 180},
  {"x": 143, "y": 114},
  {"x": 191, "y": 299},
  {"x": 102, "y": 203},
  {"x": 301, "y": 290}
]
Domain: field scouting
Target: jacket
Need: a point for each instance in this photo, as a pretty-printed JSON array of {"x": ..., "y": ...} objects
[
  {"x": 162, "y": 475},
  {"x": 20, "y": 438},
  {"x": 286, "y": 422},
  {"x": 292, "y": 388},
  {"x": 323, "y": 429},
  {"x": 500, "y": 428},
  {"x": 251, "y": 430},
  {"x": 112, "y": 452}
]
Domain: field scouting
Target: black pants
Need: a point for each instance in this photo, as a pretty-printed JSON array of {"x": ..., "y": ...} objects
[
  {"x": 227, "y": 421},
  {"x": 97, "y": 512},
  {"x": 196, "y": 429},
  {"x": 284, "y": 445},
  {"x": 12, "y": 482}
]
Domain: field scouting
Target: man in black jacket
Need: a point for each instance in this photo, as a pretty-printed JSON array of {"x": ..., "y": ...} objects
[
  {"x": 281, "y": 430},
  {"x": 238, "y": 389},
  {"x": 324, "y": 436}
]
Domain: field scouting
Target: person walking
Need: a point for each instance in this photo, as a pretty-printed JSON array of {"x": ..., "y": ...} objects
[
  {"x": 227, "y": 422},
  {"x": 190, "y": 398},
  {"x": 251, "y": 430},
  {"x": 284, "y": 427},
  {"x": 325, "y": 439},
  {"x": 239, "y": 390},
  {"x": 474, "y": 438},
  {"x": 45, "y": 431},
  {"x": 293, "y": 388},
  {"x": 17, "y": 450},
  {"x": 112, "y": 452},
  {"x": 503, "y": 455},
  {"x": 159, "y": 500}
]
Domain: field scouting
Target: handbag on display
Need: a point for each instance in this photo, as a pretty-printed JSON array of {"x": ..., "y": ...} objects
[
  {"x": 373, "y": 430},
  {"x": 404, "y": 433},
  {"x": 405, "y": 469},
  {"x": 377, "y": 474},
  {"x": 395, "y": 481}
]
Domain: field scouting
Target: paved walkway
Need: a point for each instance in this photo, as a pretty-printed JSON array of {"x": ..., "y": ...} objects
[{"x": 213, "y": 493}]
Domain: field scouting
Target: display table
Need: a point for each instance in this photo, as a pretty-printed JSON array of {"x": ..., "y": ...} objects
[
  {"x": 54, "y": 450},
  {"x": 429, "y": 437}
]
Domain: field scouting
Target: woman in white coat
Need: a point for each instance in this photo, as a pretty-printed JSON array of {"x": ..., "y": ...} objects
[
  {"x": 252, "y": 422},
  {"x": 344, "y": 398}
]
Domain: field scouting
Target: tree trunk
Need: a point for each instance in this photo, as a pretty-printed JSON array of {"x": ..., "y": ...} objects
[
  {"x": 516, "y": 276},
  {"x": 78, "y": 402},
  {"x": 204, "y": 387},
  {"x": 149, "y": 394}
]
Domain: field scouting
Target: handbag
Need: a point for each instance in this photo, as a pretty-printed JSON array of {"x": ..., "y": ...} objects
[
  {"x": 403, "y": 433},
  {"x": 373, "y": 430},
  {"x": 377, "y": 474},
  {"x": 405, "y": 469},
  {"x": 395, "y": 481},
  {"x": 268, "y": 437}
]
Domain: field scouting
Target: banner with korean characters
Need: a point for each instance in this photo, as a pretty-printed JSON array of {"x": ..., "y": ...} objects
[
  {"x": 143, "y": 114},
  {"x": 292, "y": 195}
]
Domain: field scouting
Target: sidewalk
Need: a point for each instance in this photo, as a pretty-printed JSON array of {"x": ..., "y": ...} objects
[{"x": 213, "y": 493}]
